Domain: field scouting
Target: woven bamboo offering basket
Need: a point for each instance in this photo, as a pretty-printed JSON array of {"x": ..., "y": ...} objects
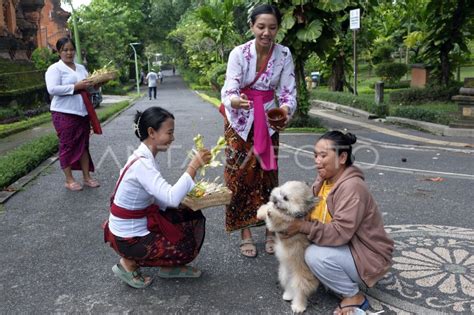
[
  {"x": 218, "y": 198},
  {"x": 102, "y": 77}
]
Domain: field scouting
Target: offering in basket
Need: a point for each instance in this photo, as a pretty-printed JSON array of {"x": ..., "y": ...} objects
[
  {"x": 206, "y": 195},
  {"x": 102, "y": 75}
]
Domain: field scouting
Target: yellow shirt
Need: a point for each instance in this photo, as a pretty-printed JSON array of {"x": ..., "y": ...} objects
[{"x": 321, "y": 212}]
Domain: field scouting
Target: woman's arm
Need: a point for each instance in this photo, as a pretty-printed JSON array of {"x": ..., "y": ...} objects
[
  {"x": 153, "y": 183},
  {"x": 230, "y": 93},
  {"x": 53, "y": 83},
  {"x": 286, "y": 89}
]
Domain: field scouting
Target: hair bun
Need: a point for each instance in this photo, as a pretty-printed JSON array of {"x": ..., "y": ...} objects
[{"x": 351, "y": 138}]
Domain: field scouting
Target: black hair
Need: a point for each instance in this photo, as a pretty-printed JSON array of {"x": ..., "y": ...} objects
[
  {"x": 63, "y": 41},
  {"x": 342, "y": 143},
  {"x": 152, "y": 117},
  {"x": 265, "y": 9}
]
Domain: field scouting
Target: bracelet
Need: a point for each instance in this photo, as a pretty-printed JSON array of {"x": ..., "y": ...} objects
[{"x": 194, "y": 168}]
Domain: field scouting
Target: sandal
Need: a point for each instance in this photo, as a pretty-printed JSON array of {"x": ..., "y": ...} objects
[
  {"x": 135, "y": 279},
  {"x": 74, "y": 186},
  {"x": 363, "y": 306},
  {"x": 93, "y": 183},
  {"x": 248, "y": 248},
  {"x": 270, "y": 244},
  {"x": 179, "y": 272}
]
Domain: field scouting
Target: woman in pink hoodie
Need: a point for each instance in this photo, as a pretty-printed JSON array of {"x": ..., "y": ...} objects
[{"x": 350, "y": 248}]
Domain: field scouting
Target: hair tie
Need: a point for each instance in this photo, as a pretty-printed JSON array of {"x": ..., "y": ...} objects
[{"x": 136, "y": 127}]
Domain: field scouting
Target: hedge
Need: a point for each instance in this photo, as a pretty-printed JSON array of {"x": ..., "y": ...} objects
[
  {"x": 428, "y": 94},
  {"x": 364, "y": 102}
]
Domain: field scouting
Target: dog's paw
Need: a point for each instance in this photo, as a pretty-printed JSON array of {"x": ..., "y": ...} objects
[
  {"x": 262, "y": 212},
  {"x": 287, "y": 296},
  {"x": 297, "y": 308}
]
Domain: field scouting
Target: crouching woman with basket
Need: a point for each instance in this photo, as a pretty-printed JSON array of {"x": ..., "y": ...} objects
[{"x": 147, "y": 226}]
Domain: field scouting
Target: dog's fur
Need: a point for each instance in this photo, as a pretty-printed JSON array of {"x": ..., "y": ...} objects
[{"x": 291, "y": 200}]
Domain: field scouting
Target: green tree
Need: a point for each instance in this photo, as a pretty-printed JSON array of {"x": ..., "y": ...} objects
[
  {"x": 451, "y": 26},
  {"x": 308, "y": 26}
]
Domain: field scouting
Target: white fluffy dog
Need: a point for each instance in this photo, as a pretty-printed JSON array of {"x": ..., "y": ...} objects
[{"x": 291, "y": 200}]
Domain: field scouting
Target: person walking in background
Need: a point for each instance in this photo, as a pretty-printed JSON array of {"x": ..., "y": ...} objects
[
  {"x": 160, "y": 75},
  {"x": 152, "y": 79},
  {"x": 65, "y": 80},
  {"x": 142, "y": 77},
  {"x": 246, "y": 97},
  {"x": 144, "y": 226},
  {"x": 350, "y": 247}
]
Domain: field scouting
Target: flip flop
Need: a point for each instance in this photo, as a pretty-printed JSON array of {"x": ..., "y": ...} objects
[
  {"x": 270, "y": 244},
  {"x": 93, "y": 183},
  {"x": 74, "y": 186},
  {"x": 248, "y": 245},
  {"x": 363, "y": 306},
  {"x": 179, "y": 272},
  {"x": 134, "y": 279}
]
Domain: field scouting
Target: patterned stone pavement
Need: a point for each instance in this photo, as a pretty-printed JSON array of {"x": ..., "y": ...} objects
[{"x": 433, "y": 272}]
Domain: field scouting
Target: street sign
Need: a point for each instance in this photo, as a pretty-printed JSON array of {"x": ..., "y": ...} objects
[{"x": 354, "y": 19}]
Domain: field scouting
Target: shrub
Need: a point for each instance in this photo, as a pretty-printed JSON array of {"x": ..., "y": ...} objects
[
  {"x": 43, "y": 58},
  {"x": 305, "y": 122},
  {"x": 391, "y": 72},
  {"x": 423, "y": 114},
  {"x": 391, "y": 86},
  {"x": 428, "y": 94},
  {"x": 382, "y": 54},
  {"x": 364, "y": 102},
  {"x": 216, "y": 75}
]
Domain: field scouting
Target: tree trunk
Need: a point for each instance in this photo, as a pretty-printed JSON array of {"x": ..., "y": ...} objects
[
  {"x": 336, "y": 82},
  {"x": 303, "y": 95}
]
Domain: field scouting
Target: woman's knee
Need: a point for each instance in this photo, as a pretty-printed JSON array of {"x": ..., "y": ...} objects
[{"x": 312, "y": 257}]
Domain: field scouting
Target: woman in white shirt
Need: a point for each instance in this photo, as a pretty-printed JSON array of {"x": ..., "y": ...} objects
[
  {"x": 64, "y": 80},
  {"x": 144, "y": 226}
]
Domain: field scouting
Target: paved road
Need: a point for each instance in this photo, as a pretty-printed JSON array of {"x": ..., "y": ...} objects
[{"x": 53, "y": 258}]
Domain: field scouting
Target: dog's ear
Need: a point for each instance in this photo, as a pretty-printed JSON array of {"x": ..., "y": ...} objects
[{"x": 311, "y": 202}]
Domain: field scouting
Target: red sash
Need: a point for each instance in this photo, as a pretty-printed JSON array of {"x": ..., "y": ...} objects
[
  {"x": 262, "y": 141},
  {"x": 156, "y": 222},
  {"x": 95, "y": 123}
]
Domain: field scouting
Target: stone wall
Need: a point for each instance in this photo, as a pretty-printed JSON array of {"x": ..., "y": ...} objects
[{"x": 27, "y": 24}]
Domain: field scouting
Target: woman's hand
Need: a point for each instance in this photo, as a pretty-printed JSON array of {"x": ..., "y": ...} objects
[
  {"x": 293, "y": 229},
  {"x": 82, "y": 85},
  {"x": 241, "y": 102},
  {"x": 201, "y": 158}
]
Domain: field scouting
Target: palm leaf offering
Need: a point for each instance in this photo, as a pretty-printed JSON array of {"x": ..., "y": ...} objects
[
  {"x": 207, "y": 194},
  {"x": 102, "y": 75}
]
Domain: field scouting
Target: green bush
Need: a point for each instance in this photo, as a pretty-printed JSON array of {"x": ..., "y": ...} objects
[
  {"x": 19, "y": 162},
  {"x": 216, "y": 75},
  {"x": 382, "y": 54},
  {"x": 305, "y": 122},
  {"x": 428, "y": 94},
  {"x": 423, "y": 114},
  {"x": 391, "y": 72},
  {"x": 43, "y": 58},
  {"x": 391, "y": 86},
  {"x": 364, "y": 102}
]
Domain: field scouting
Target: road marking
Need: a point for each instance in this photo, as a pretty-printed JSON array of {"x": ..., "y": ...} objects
[
  {"x": 396, "y": 169},
  {"x": 388, "y": 131}
]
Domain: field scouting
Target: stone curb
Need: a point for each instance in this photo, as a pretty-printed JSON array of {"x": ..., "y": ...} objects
[
  {"x": 440, "y": 130},
  {"x": 436, "y": 129},
  {"x": 23, "y": 181}
]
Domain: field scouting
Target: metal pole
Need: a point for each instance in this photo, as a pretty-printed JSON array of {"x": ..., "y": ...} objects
[
  {"x": 136, "y": 69},
  {"x": 76, "y": 35},
  {"x": 355, "y": 61}
]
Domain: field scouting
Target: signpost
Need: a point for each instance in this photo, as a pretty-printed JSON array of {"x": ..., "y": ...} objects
[{"x": 354, "y": 25}]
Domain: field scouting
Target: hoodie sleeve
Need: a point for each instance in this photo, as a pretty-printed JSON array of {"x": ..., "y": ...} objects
[{"x": 347, "y": 215}]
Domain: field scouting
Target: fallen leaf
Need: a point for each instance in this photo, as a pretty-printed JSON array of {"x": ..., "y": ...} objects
[{"x": 434, "y": 179}]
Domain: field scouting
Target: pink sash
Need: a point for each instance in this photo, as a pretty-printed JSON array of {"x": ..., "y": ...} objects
[{"x": 261, "y": 137}]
